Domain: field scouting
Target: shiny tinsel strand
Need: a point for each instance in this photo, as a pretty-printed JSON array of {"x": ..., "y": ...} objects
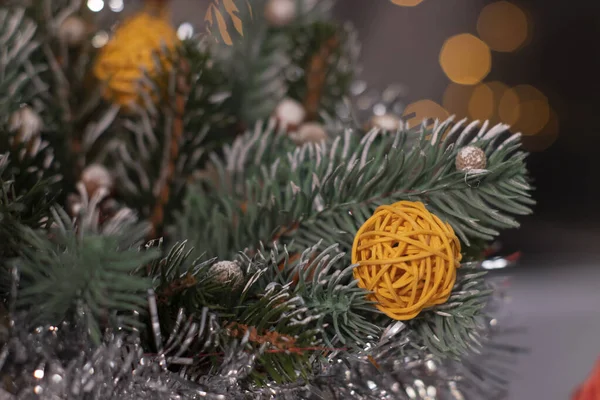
[{"x": 61, "y": 362}]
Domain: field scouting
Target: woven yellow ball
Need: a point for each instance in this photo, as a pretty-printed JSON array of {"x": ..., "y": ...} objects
[
  {"x": 131, "y": 51},
  {"x": 407, "y": 257}
]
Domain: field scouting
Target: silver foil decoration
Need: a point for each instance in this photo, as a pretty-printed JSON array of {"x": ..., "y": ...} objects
[{"x": 61, "y": 362}]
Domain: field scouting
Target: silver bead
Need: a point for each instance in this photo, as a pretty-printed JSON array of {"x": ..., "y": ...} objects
[
  {"x": 470, "y": 158},
  {"x": 228, "y": 273}
]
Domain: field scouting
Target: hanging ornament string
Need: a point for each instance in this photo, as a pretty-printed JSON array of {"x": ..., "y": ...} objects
[{"x": 407, "y": 257}]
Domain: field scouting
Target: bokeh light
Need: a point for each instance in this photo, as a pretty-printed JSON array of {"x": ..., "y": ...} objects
[
  {"x": 503, "y": 26},
  {"x": 546, "y": 137},
  {"x": 100, "y": 39},
  {"x": 95, "y": 5},
  {"x": 481, "y": 104},
  {"x": 525, "y": 109},
  {"x": 421, "y": 110},
  {"x": 498, "y": 90},
  {"x": 407, "y": 3},
  {"x": 116, "y": 5},
  {"x": 456, "y": 99},
  {"x": 185, "y": 31},
  {"x": 465, "y": 59}
]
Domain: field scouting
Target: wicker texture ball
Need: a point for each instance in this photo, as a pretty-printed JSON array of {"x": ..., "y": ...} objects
[
  {"x": 407, "y": 257},
  {"x": 133, "y": 50}
]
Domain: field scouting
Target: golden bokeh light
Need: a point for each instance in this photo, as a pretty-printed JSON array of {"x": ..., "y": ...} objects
[
  {"x": 465, "y": 59},
  {"x": 533, "y": 118},
  {"x": 545, "y": 138},
  {"x": 456, "y": 99},
  {"x": 407, "y": 3},
  {"x": 421, "y": 110},
  {"x": 503, "y": 26},
  {"x": 509, "y": 108},
  {"x": 525, "y": 109},
  {"x": 481, "y": 104},
  {"x": 498, "y": 89}
]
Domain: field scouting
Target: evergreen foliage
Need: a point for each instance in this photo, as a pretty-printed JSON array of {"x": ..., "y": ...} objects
[
  {"x": 79, "y": 270},
  {"x": 204, "y": 173}
]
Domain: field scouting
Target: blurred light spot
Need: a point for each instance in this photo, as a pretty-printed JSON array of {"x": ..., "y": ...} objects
[
  {"x": 503, "y": 26},
  {"x": 534, "y": 116},
  {"x": 525, "y": 109},
  {"x": 95, "y": 5},
  {"x": 421, "y": 110},
  {"x": 509, "y": 107},
  {"x": 116, "y": 5},
  {"x": 465, "y": 59},
  {"x": 38, "y": 373},
  {"x": 394, "y": 91},
  {"x": 456, "y": 99},
  {"x": 358, "y": 87},
  {"x": 100, "y": 39},
  {"x": 407, "y": 3},
  {"x": 498, "y": 89},
  {"x": 185, "y": 31},
  {"x": 545, "y": 138},
  {"x": 379, "y": 109},
  {"x": 481, "y": 105},
  {"x": 497, "y": 263}
]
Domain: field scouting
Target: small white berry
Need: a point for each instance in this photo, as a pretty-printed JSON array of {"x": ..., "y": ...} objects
[
  {"x": 73, "y": 31},
  {"x": 228, "y": 273},
  {"x": 289, "y": 114},
  {"x": 96, "y": 176},
  {"x": 280, "y": 12},
  {"x": 310, "y": 132}
]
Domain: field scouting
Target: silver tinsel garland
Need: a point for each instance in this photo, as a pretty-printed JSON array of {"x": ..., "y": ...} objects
[{"x": 61, "y": 362}]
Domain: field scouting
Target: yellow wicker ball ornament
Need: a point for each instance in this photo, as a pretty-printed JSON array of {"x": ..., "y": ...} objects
[
  {"x": 407, "y": 257},
  {"x": 131, "y": 51}
]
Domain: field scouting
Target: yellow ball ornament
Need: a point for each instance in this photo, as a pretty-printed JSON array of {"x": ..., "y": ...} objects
[
  {"x": 407, "y": 257},
  {"x": 131, "y": 51}
]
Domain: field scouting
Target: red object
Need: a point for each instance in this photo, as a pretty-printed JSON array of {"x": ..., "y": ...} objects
[
  {"x": 514, "y": 257},
  {"x": 590, "y": 389}
]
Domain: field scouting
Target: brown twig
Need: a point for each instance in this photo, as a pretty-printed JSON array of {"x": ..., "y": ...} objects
[
  {"x": 275, "y": 339},
  {"x": 317, "y": 77},
  {"x": 175, "y": 287},
  {"x": 163, "y": 194}
]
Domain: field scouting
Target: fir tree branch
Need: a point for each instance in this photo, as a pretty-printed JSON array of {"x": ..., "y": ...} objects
[
  {"x": 331, "y": 190},
  {"x": 324, "y": 61},
  {"x": 81, "y": 271},
  {"x": 334, "y": 305}
]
